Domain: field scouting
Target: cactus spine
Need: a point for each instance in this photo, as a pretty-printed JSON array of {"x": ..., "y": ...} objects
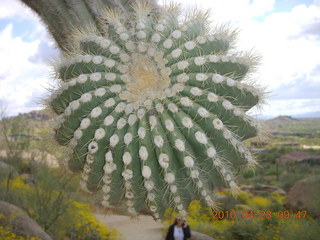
[{"x": 155, "y": 113}]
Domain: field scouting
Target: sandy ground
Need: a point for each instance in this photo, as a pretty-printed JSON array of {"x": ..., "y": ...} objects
[{"x": 143, "y": 228}]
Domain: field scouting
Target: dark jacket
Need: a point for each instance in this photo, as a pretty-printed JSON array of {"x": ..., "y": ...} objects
[{"x": 186, "y": 232}]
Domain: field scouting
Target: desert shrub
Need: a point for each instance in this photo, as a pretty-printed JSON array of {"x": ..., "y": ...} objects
[
  {"x": 247, "y": 173},
  {"x": 7, "y": 233},
  {"x": 45, "y": 201},
  {"x": 82, "y": 225},
  {"x": 255, "y": 202},
  {"x": 291, "y": 228},
  {"x": 270, "y": 201},
  {"x": 52, "y": 203},
  {"x": 271, "y": 171},
  {"x": 16, "y": 135},
  {"x": 288, "y": 179},
  {"x": 197, "y": 212},
  {"x": 299, "y": 229},
  {"x": 276, "y": 202},
  {"x": 268, "y": 156},
  {"x": 208, "y": 229},
  {"x": 242, "y": 229}
]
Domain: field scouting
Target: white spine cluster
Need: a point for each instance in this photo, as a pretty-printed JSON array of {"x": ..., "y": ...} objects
[
  {"x": 108, "y": 168},
  {"x": 127, "y": 175}
]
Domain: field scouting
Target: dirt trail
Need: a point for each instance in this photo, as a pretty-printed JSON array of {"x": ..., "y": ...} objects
[{"x": 143, "y": 228}]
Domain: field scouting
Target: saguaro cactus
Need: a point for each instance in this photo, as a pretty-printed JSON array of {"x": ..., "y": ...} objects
[
  {"x": 62, "y": 16},
  {"x": 154, "y": 112}
]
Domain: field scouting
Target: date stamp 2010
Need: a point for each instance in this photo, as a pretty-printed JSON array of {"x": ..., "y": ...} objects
[{"x": 261, "y": 214}]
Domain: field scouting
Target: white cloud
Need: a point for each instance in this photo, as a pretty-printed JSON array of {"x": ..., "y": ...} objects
[
  {"x": 288, "y": 54},
  {"x": 14, "y": 8},
  {"x": 232, "y": 10},
  {"x": 292, "y": 107},
  {"x": 288, "y": 42},
  {"x": 24, "y": 72},
  {"x": 20, "y": 79}
]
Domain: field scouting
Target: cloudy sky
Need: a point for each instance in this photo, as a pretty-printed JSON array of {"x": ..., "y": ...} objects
[{"x": 285, "y": 32}]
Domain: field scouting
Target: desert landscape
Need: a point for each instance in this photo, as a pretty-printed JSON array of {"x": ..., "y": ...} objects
[{"x": 287, "y": 179}]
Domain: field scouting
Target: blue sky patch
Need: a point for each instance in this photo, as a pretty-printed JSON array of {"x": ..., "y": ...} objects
[
  {"x": 21, "y": 28},
  {"x": 287, "y": 5}
]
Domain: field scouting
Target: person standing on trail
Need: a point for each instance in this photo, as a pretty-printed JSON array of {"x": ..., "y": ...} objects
[{"x": 179, "y": 230}]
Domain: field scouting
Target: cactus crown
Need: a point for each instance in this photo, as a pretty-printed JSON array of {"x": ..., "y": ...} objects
[{"x": 154, "y": 111}]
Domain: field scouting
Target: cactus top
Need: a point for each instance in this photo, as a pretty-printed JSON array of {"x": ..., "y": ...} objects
[{"x": 154, "y": 112}]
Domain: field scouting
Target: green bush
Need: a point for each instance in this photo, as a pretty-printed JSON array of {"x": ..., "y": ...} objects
[
  {"x": 51, "y": 200},
  {"x": 248, "y": 173},
  {"x": 287, "y": 180},
  {"x": 243, "y": 229},
  {"x": 271, "y": 171},
  {"x": 208, "y": 229},
  {"x": 300, "y": 229}
]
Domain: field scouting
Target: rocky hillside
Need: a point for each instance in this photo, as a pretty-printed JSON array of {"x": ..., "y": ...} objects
[
  {"x": 287, "y": 124},
  {"x": 37, "y": 115}
]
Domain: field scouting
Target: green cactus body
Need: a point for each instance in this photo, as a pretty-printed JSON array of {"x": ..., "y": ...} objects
[{"x": 155, "y": 113}]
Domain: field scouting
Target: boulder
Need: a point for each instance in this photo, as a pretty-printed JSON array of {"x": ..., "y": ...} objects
[
  {"x": 305, "y": 195},
  {"x": 271, "y": 188},
  {"x": 6, "y": 169},
  {"x": 262, "y": 188},
  {"x": 200, "y": 236},
  {"x": 21, "y": 224}
]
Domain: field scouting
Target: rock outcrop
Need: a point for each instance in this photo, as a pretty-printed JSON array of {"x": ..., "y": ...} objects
[
  {"x": 20, "y": 223},
  {"x": 6, "y": 169},
  {"x": 262, "y": 188},
  {"x": 305, "y": 195}
]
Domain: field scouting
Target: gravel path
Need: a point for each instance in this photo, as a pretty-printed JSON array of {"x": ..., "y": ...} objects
[{"x": 143, "y": 228}]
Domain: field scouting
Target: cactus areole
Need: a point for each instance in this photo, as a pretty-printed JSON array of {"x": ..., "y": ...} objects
[{"x": 154, "y": 111}]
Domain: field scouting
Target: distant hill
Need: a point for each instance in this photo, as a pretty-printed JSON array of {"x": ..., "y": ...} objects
[
  {"x": 29, "y": 124},
  {"x": 284, "y": 118},
  {"x": 288, "y": 124},
  {"x": 40, "y": 115},
  {"x": 303, "y": 115},
  {"x": 281, "y": 124}
]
